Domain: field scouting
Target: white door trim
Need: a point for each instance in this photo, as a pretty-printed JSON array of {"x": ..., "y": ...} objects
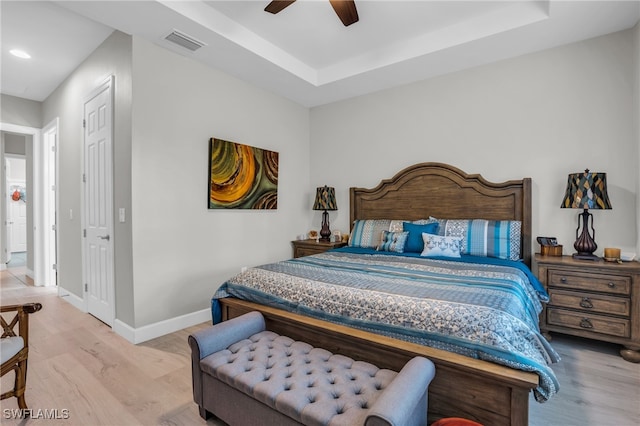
[
  {"x": 38, "y": 184},
  {"x": 50, "y": 201},
  {"x": 108, "y": 317}
]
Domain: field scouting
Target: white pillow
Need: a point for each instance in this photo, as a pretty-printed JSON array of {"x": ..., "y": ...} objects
[{"x": 437, "y": 245}]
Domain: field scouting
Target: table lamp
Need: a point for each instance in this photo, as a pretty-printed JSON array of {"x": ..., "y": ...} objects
[
  {"x": 586, "y": 191},
  {"x": 325, "y": 200}
]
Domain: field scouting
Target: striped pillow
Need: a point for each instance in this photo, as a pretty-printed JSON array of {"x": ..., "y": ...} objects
[
  {"x": 490, "y": 238},
  {"x": 368, "y": 233}
]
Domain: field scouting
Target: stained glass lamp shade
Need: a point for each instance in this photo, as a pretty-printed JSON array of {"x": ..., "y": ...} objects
[
  {"x": 325, "y": 200},
  {"x": 587, "y": 191}
]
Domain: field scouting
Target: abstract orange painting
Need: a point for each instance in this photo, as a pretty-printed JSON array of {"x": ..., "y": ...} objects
[{"x": 242, "y": 176}]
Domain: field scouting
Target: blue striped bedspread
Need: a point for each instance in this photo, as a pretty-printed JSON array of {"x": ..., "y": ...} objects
[{"x": 479, "y": 307}]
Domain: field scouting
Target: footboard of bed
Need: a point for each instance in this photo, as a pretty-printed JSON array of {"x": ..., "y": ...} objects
[{"x": 463, "y": 387}]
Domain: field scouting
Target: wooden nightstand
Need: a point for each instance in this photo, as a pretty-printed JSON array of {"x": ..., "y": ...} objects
[
  {"x": 598, "y": 300},
  {"x": 309, "y": 247}
]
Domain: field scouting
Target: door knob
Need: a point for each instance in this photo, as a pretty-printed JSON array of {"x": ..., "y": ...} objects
[{"x": 104, "y": 237}]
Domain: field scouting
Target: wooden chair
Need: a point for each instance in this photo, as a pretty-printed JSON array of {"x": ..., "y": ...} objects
[{"x": 14, "y": 349}]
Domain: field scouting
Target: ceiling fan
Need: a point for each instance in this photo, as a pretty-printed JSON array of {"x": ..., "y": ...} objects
[{"x": 345, "y": 9}]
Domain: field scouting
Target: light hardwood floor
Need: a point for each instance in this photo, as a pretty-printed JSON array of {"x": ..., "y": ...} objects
[{"x": 78, "y": 364}]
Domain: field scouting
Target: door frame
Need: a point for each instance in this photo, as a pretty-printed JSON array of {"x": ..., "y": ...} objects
[
  {"x": 107, "y": 84},
  {"x": 39, "y": 182},
  {"x": 50, "y": 140}
]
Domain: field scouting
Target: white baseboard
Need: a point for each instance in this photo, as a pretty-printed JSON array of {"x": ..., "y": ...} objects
[
  {"x": 151, "y": 331},
  {"x": 147, "y": 332},
  {"x": 74, "y": 300}
]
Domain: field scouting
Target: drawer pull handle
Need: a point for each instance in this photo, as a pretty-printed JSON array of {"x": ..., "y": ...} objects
[
  {"x": 563, "y": 279},
  {"x": 585, "y": 323},
  {"x": 611, "y": 285},
  {"x": 586, "y": 303}
]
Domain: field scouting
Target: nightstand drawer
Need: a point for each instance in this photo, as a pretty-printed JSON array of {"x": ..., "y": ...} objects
[
  {"x": 593, "y": 299},
  {"x": 310, "y": 247},
  {"x": 307, "y": 251},
  {"x": 612, "y": 284},
  {"x": 592, "y": 323},
  {"x": 589, "y": 302}
]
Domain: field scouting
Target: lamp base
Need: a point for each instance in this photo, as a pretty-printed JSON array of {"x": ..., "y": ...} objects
[
  {"x": 585, "y": 244},
  {"x": 325, "y": 232},
  {"x": 586, "y": 256}
]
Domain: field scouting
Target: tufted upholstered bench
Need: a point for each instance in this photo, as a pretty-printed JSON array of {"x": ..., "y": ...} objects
[{"x": 246, "y": 375}]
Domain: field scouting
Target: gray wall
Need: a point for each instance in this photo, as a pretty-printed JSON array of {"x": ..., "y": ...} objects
[
  {"x": 15, "y": 143},
  {"x": 21, "y": 112},
  {"x": 181, "y": 250},
  {"x": 636, "y": 32},
  {"x": 113, "y": 57},
  {"x": 541, "y": 115},
  {"x": 172, "y": 253}
]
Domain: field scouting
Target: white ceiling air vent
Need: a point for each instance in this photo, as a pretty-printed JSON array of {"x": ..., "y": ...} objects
[{"x": 183, "y": 40}]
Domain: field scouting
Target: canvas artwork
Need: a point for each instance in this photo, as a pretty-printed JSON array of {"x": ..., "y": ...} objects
[{"x": 242, "y": 176}]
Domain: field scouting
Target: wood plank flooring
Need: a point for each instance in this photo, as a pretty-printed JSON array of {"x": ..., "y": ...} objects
[{"x": 84, "y": 374}]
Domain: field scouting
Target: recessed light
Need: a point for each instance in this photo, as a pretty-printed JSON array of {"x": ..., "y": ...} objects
[{"x": 20, "y": 53}]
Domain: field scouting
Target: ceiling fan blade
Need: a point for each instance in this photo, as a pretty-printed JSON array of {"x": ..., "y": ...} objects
[
  {"x": 277, "y": 5},
  {"x": 346, "y": 11}
]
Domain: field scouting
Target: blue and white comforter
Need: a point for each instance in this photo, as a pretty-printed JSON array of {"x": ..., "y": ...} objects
[{"x": 483, "y": 310}]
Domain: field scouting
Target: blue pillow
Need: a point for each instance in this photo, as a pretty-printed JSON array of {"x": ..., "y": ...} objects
[{"x": 415, "y": 243}]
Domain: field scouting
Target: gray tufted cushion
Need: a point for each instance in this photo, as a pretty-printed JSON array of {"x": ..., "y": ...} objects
[{"x": 310, "y": 385}]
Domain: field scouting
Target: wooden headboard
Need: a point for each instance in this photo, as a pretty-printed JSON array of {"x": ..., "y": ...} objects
[{"x": 444, "y": 191}]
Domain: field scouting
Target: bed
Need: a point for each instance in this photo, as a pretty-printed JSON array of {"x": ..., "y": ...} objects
[{"x": 475, "y": 317}]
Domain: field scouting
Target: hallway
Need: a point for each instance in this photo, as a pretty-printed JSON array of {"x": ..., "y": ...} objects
[{"x": 16, "y": 272}]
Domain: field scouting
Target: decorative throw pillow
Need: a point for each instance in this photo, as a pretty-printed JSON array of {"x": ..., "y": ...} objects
[
  {"x": 414, "y": 241},
  {"x": 395, "y": 225},
  {"x": 393, "y": 241},
  {"x": 437, "y": 245},
  {"x": 368, "y": 233},
  {"x": 490, "y": 238}
]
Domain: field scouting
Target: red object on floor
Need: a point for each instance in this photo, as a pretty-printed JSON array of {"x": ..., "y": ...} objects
[{"x": 455, "y": 421}]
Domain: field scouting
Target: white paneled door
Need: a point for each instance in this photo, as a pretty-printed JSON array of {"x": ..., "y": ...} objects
[
  {"x": 17, "y": 216},
  {"x": 98, "y": 204}
]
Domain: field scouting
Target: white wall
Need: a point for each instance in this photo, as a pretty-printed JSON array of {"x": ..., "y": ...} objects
[
  {"x": 181, "y": 250},
  {"x": 542, "y": 115}
]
